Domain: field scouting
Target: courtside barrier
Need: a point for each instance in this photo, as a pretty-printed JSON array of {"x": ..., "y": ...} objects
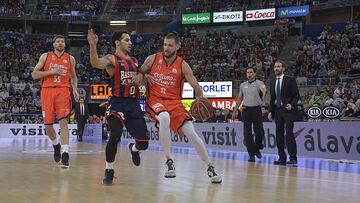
[{"x": 330, "y": 140}]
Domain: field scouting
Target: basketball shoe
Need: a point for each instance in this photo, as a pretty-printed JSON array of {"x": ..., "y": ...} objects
[
  {"x": 170, "y": 172},
  {"x": 215, "y": 178}
]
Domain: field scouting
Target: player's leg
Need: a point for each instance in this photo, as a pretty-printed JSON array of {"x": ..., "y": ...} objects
[
  {"x": 136, "y": 125},
  {"x": 160, "y": 115},
  {"x": 64, "y": 132},
  {"x": 50, "y": 131},
  {"x": 194, "y": 139},
  {"x": 115, "y": 123},
  {"x": 165, "y": 139},
  {"x": 164, "y": 132},
  {"x": 48, "y": 111},
  {"x": 63, "y": 110}
]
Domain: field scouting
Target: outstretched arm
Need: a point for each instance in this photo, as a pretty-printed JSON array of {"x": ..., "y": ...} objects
[{"x": 95, "y": 61}]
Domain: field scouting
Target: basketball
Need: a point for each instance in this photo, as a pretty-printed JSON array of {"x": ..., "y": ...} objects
[{"x": 201, "y": 109}]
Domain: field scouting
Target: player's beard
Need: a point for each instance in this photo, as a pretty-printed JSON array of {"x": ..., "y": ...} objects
[
  {"x": 59, "y": 49},
  {"x": 170, "y": 55}
]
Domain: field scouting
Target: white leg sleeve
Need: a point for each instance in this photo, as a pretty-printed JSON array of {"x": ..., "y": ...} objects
[
  {"x": 189, "y": 131},
  {"x": 164, "y": 132}
]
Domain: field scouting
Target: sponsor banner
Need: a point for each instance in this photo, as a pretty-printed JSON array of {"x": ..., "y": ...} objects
[
  {"x": 188, "y": 91},
  {"x": 320, "y": 139},
  {"x": 224, "y": 17},
  {"x": 212, "y": 89},
  {"x": 187, "y": 103},
  {"x": 142, "y": 104},
  {"x": 195, "y": 18},
  {"x": 320, "y": 113},
  {"x": 223, "y": 103},
  {"x": 216, "y": 103},
  {"x": 329, "y": 140},
  {"x": 217, "y": 89},
  {"x": 262, "y": 14},
  {"x": 100, "y": 92},
  {"x": 38, "y": 130},
  {"x": 293, "y": 11}
]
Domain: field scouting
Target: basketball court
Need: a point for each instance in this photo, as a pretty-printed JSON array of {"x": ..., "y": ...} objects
[{"x": 29, "y": 174}]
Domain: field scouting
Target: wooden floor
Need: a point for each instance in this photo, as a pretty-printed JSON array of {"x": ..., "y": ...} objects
[{"x": 28, "y": 174}]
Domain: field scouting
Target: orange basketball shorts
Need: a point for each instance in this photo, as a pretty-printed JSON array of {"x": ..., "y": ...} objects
[
  {"x": 55, "y": 101},
  {"x": 178, "y": 114}
]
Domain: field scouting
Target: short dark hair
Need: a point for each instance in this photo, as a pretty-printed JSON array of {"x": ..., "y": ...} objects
[
  {"x": 117, "y": 36},
  {"x": 283, "y": 64},
  {"x": 57, "y": 37},
  {"x": 251, "y": 68},
  {"x": 173, "y": 35}
]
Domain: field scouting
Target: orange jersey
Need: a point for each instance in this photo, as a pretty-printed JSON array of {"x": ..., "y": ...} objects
[
  {"x": 64, "y": 63},
  {"x": 168, "y": 79}
]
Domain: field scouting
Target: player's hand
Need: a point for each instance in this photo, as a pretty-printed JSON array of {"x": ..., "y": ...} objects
[
  {"x": 270, "y": 116},
  {"x": 149, "y": 79},
  {"x": 288, "y": 107},
  {"x": 199, "y": 94},
  {"x": 76, "y": 95},
  {"x": 56, "y": 71},
  {"x": 138, "y": 79},
  {"x": 92, "y": 38}
]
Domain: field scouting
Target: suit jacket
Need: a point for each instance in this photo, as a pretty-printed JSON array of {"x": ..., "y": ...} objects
[
  {"x": 78, "y": 111},
  {"x": 289, "y": 93}
]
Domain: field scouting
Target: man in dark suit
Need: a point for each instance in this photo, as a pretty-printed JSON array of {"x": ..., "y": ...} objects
[
  {"x": 81, "y": 114},
  {"x": 284, "y": 98}
]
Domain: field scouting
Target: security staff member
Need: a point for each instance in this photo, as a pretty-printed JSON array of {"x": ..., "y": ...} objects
[{"x": 250, "y": 95}]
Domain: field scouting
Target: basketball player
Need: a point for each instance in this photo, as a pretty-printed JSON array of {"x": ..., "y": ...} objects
[
  {"x": 55, "y": 69},
  {"x": 165, "y": 73},
  {"x": 123, "y": 108}
]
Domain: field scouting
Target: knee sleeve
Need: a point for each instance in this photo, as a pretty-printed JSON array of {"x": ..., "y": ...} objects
[
  {"x": 115, "y": 134},
  {"x": 142, "y": 145},
  {"x": 164, "y": 119}
]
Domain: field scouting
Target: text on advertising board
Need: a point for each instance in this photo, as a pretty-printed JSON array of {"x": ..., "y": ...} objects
[
  {"x": 195, "y": 18},
  {"x": 294, "y": 11},
  {"x": 263, "y": 14},
  {"x": 222, "y": 17},
  {"x": 100, "y": 92}
]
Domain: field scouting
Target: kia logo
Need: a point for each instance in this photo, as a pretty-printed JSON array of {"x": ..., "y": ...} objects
[
  {"x": 331, "y": 112},
  {"x": 314, "y": 112}
]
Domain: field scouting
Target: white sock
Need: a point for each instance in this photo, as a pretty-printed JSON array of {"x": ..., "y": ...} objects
[
  {"x": 133, "y": 148},
  {"x": 189, "y": 131},
  {"x": 164, "y": 132},
  {"x": 65, "y": 148},
  {"x": 109, "y": 165},
  {"x": 55, "y": 141}
]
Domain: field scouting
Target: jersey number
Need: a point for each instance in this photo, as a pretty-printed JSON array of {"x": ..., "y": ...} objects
[
  {"x": 57, "y": 78},
  {"x": 163, "y": 90},
  {"x": 132, "y": 90}
]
